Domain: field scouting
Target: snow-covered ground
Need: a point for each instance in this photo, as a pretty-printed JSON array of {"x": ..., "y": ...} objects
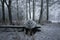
[{"x": 48, "y": 32}]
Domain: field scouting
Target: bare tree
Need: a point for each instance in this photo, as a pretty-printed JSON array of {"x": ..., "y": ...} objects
[
  {"x": 26, "y": 11},
  {"x": 29, "y": 10},
  {"x": 9, "y": 10},
  {"x": 17, "y": 11},
  {"x": 3, "y": 11},
  {"x": 47, "y": 1},
  {"x": 41, "y": 12},
  {"x": 33, "y": 9}
]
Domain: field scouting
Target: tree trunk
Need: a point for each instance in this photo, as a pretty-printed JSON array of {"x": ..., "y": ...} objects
[
  {"x": 3, "y": 11},
  {"x": 47, "y": 10},
  {"x": 41, "y": 12},
  {"x": 33, "y": 10},
  {"x": 9, "y": 10},
  {"x": 29, "y": 10},
  {"x": 17, "y": 13},
  {"x": 26, "y": 11}
]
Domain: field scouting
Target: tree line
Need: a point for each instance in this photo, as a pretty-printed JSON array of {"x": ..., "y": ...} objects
[{"x": 8, "y": 4}]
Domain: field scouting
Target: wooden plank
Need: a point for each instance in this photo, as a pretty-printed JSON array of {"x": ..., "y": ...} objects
[{"x": 11, "y": 26}]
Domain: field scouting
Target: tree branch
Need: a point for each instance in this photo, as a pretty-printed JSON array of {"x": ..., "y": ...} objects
[{"x": 6, "y": 3}]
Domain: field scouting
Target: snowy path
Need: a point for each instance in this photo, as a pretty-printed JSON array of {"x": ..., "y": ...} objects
[{"x": 48, "y": 32}]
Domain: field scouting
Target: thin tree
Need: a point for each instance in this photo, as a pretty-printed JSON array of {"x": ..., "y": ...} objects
[
  {"x": 9, "y": 10},
  {"x": 3, "y": 11},
  {"x": 33, "y": 9},
  {"x": 26, "y": 11},
  {"x": 41, "y": 12},
  {"x": 29, "y": 10},
  {"x": 17, "y": 11},
  {"x": 47, "y": 1}
]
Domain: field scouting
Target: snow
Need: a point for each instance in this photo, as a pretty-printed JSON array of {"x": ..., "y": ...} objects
[{"x": 48, "y": 32}]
